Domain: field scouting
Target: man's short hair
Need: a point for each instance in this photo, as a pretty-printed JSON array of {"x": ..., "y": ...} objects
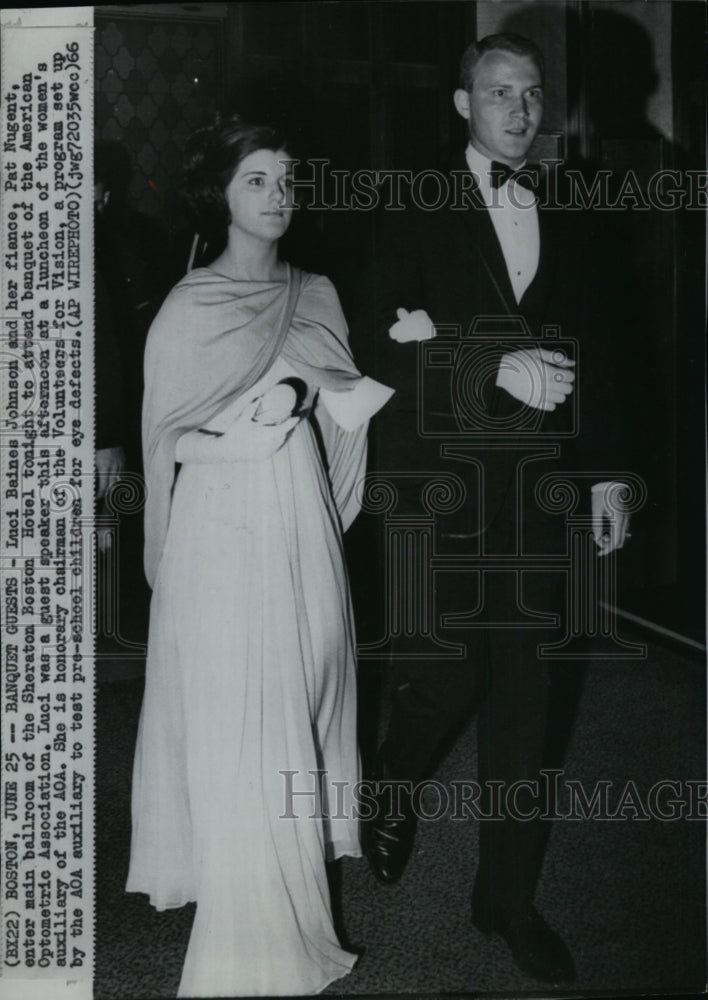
[{"x": 516, "y": 44}]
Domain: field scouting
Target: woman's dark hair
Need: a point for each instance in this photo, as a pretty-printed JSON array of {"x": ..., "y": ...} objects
[{"x": 211, "y": 158}]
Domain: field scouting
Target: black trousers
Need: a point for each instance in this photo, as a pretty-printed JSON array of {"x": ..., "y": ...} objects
[{"x": 514, "y": 694}]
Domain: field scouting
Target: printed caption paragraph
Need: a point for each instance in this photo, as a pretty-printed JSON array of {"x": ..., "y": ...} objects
[{"x": 47, "y": 482}]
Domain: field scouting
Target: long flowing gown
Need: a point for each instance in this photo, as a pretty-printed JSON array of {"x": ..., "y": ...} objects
[{"x": 250, "y": 681}]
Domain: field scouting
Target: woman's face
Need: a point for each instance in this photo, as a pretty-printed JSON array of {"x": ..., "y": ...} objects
[{"x": 257, "y": 198}]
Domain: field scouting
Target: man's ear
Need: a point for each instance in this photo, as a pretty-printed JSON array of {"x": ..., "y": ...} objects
[{"x": 462, "y": 102}]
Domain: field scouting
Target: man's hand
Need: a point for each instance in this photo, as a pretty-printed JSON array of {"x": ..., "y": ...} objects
[
  {"x": 416, "y": 325},
  {"x": 110, "y": 463},
  {"x": 610, "y": 522},
  {"x": 537, "y": 377}
]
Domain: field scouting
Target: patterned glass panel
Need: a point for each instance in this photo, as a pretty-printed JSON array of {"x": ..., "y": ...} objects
[{"x": 155, "y": 81}]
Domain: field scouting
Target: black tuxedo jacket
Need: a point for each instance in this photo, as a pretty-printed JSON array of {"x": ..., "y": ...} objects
[{"x": 448, "y": 261}]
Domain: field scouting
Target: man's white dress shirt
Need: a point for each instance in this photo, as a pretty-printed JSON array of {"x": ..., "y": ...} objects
[{"x": 512, "y": 208}]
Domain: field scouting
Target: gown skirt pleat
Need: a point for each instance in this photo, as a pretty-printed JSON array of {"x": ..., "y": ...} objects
[{"x": 250, "y": 688}]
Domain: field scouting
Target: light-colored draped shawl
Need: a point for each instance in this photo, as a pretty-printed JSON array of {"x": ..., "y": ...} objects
[{"x": 212, "y": 340}]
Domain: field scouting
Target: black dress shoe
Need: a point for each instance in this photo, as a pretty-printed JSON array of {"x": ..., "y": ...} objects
[
  {"x": 537, "y": 949},
  {"x": 388, "y": 836}
]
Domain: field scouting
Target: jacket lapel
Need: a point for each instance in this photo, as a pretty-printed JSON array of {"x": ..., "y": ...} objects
[
  {"x": 536, "y": 295},
  {"x": 482, "y": 240}
]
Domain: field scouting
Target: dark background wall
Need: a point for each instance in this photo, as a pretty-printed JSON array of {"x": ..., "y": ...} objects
[{"x": 369, "y": 85}]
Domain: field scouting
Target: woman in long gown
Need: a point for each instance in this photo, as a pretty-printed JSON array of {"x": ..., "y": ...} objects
[{"x": 250, "y": 679}]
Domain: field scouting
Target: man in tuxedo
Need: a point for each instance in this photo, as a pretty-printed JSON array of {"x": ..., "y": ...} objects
[{"x": 492, "y": 253}]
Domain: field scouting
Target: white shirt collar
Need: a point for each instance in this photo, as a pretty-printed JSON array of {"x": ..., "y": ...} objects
[{"x": 481, "y": 165}]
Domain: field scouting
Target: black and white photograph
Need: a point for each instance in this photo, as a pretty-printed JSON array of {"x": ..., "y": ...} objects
[{"x": 352, "y": 470}]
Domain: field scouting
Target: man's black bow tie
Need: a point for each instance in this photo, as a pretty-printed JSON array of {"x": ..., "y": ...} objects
[{"x": 500, "y": 173}]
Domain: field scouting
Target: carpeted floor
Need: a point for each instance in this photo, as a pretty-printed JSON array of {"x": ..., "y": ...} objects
[{"x": 628, "y": 895}]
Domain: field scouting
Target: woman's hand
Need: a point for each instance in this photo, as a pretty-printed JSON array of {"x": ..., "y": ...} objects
[
  {"x": 246, "y": 440},
  {"x": 416, "y": 325},
  {"x": 249, "y": 440}
]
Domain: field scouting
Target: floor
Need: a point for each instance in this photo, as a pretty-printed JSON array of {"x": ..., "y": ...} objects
[{"x": 627, "y": 892}]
